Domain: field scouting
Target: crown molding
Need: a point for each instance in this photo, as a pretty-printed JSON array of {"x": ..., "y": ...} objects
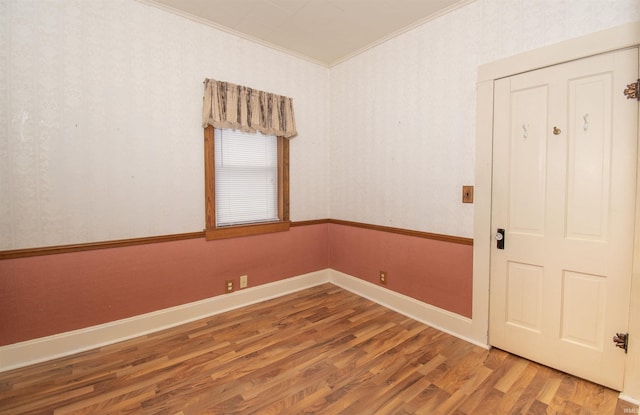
[
  {"x": 408, "y": 28},
  {"x": 426, "y": 19},
  {"x": 230, "y": 31}
]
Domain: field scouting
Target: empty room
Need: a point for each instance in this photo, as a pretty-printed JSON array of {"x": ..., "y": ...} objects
[{"x": 319, "y": 206}]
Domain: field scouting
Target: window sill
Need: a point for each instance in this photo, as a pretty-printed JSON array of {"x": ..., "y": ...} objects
[{"x": 246, "y": 230}]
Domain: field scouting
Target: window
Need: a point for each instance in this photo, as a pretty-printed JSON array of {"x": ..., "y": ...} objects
[
  {"x": 246, "y": 174},
  {"x": 246, "y": 177},
  {"x": 247, "y": 183}
]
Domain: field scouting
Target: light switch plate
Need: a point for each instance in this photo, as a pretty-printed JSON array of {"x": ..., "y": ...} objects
[{"x": 467, "y": 194}]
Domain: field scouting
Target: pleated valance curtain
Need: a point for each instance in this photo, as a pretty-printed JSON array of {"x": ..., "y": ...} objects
[{"x": 226, "y": 105}]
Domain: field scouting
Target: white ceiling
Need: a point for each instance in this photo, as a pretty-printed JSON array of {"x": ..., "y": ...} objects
[{"x": 323, "y": 31}]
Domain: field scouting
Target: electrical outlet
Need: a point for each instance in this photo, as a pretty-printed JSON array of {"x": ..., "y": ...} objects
[
  {"x": 244, "y": 281},
  {"x": 228, "y": 286},
  {"x": 383, "y": 277}
]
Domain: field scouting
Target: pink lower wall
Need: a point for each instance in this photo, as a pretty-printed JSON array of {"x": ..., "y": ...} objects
[
  {"x": 45, "y": 295},
  {"x": 435, "y": 272}
]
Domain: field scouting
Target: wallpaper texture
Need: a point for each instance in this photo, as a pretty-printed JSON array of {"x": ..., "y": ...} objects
[
  {"x": 100, "y": 113},
  {"x": 403, "y": 113},
  {"x": 100, "y": 104}
]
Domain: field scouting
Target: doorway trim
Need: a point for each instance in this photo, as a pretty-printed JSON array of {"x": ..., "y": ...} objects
[{"x": 600, "y": 42}]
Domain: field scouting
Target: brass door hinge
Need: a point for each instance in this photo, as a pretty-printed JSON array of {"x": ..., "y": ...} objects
[
  {"x": 622, "y": 341},
  {"x": 632, "y": 90}
]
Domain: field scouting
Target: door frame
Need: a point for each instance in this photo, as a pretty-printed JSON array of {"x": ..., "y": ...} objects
[{"x": 600, "y": 42}]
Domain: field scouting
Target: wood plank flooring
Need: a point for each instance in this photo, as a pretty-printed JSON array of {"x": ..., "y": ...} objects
[{"x": 319, "y": 351}]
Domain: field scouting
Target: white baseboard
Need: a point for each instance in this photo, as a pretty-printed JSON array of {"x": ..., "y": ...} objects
[
  {"x": 629, "y": 399},
  {"x": 435, "y": 317},
  {"x": 42, "y": 349}
]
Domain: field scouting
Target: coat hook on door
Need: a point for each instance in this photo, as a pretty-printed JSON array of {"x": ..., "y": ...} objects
[
  {"x": 525, "y": 133},
  {"x": 586, "y": 122}
]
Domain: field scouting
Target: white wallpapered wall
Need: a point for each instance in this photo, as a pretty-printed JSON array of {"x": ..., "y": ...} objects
[
  {"x": 403, "y": 113},
  {"x": 100, "y": 111},
  {"x": 100, "y": 105}
]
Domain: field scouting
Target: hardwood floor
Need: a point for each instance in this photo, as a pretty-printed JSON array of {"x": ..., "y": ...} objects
[{"x": 319, "y": 351}]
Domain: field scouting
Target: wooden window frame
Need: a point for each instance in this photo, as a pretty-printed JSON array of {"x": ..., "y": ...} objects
[{"x": 212, "y": 231}]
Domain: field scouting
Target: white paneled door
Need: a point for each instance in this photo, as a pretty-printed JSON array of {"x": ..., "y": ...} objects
[{"x": 564, "y": 188}]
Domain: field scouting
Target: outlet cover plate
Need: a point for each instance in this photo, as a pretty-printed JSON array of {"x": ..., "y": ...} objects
[{"x": 383, "y": 277}]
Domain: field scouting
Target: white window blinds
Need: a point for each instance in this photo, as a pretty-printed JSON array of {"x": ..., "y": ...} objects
[{"x": 246, "y": 177}]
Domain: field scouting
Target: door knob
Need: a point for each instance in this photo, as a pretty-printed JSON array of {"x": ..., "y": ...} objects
[{"x": 500, "y": 239}]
